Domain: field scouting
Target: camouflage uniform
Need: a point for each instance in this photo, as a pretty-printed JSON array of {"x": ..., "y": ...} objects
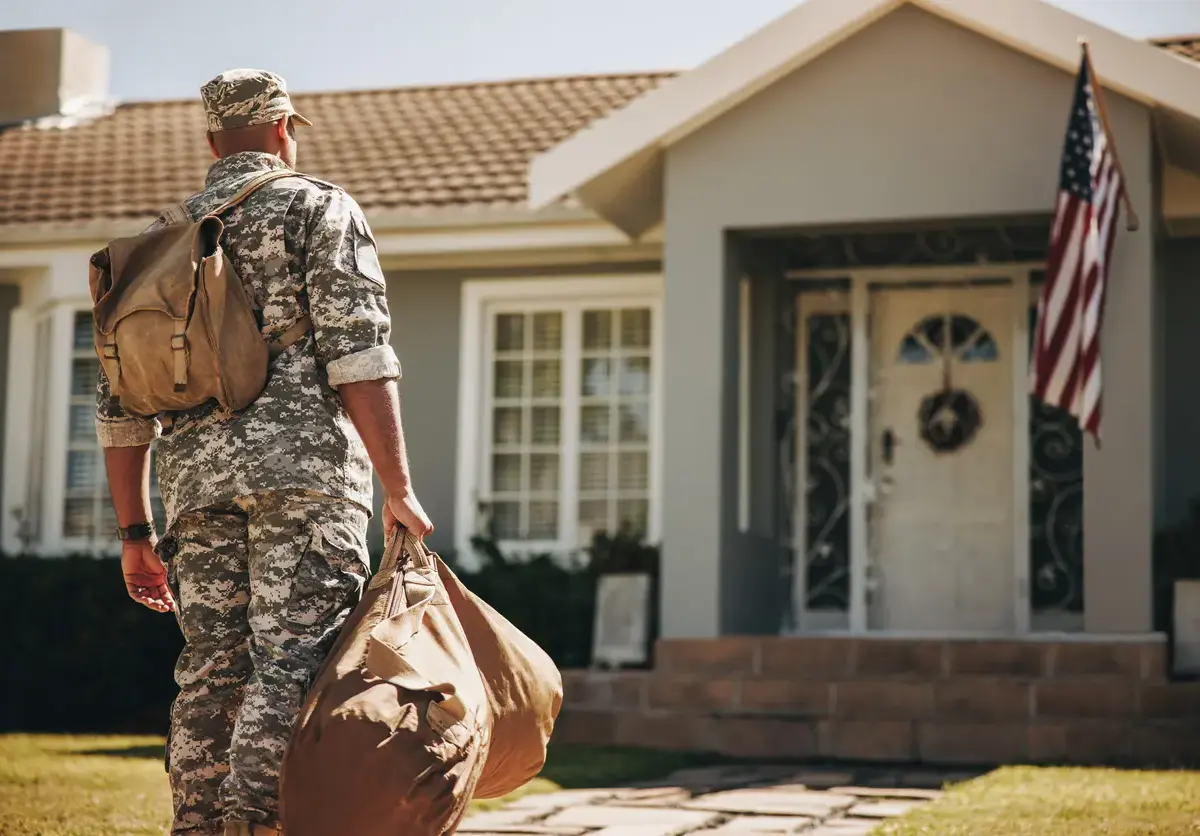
[{"x": 266, "y": 508}]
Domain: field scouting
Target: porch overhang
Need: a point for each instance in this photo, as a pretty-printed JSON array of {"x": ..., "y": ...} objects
[{"x": 616, "y": 166}]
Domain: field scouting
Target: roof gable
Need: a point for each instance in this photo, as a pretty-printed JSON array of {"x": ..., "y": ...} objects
[{"x": 616, "y": 160}]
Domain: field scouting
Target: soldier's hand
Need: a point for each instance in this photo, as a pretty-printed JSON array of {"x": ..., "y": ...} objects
[
  {"x": 146, "y": 576},
  {"x": 404, "y": 509}
]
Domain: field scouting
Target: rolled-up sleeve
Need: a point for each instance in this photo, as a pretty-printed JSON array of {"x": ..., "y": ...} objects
[
  {"x": 347, "y": 295},
  {"x": 117, "y": 428}
]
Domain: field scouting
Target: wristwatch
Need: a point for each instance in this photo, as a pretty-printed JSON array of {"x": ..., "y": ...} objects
[{"x": 137, "y": 531}]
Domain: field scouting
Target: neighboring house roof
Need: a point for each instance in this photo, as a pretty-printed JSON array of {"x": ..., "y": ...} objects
[
  {"x": 418, "y": 147},
  {"x": 616, "y": 166},
  {"x": 1187, "y": 46}
]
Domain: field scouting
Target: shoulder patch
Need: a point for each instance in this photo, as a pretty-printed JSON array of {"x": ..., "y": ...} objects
[{"x": 366, "y": 256}]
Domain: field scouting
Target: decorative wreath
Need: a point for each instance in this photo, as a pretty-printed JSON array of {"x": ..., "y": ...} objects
[{"x": 949, "y": 419}]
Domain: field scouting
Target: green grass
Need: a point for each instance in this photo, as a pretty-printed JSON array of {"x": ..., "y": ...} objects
[
  {"x": 115, "y": 786},
  {"x": 1033, "y": 801}
]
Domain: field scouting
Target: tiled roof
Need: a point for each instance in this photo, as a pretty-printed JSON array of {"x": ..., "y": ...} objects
[
  {"x": 1187, "y": 46},
  {"x": 415, "y": 147},
  {"x": 464, "y": 145}
]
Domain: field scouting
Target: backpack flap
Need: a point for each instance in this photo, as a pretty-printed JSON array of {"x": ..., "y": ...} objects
[
  {"x": 155, "y": 271},
  {"x": 152, "y": 278}
]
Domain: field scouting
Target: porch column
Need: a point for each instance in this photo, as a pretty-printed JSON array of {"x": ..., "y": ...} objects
[
  {"x": 716, "y": 580},
  {"x": 1120, "y": 478},
  {"x": 18, "y": 423},
  {"x": 699, "y": 419}
]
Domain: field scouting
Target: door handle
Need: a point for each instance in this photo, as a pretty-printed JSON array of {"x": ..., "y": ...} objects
[{"x": 888, "y": 446}]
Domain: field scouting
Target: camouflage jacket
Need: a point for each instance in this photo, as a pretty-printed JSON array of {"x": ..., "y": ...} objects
[{"x": 299, "y": 247}]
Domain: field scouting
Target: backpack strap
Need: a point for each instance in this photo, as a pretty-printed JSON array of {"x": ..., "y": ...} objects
[
  {"x": 256, "y": 183},
  {"x": 179, "y": 359},
  {"x": 298, "y": 331},
  {"x": 177, "y": 214}
]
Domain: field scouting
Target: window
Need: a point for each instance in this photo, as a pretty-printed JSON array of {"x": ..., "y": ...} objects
[
  {"x": 567, "y": 393},
  {"x": 88, "y": 513},
  {"x": 968, "y": 341}
]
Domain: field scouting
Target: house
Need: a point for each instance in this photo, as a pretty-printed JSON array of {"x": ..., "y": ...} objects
[{"x": 719, "y": 307}]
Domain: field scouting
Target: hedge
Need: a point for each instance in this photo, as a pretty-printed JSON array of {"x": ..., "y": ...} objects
[{"x": 79, "y": 656}]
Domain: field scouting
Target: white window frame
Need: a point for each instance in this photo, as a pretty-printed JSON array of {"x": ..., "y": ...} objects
[
  {"x": 482, "y": 297},
  {"x": 58, "y": 443},
  {"x": 98, "y": 544}
]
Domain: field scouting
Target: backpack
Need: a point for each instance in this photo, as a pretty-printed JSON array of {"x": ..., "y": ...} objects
[
  {"x": 174, "y": 325},
  {"x": 428, "y": 698}
]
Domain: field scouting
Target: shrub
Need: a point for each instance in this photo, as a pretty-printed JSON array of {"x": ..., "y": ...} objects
[
  {"x": 1176, "y": 557},
  {"x": 552, "y": 600},
  {"x": 79, "y": 656}
]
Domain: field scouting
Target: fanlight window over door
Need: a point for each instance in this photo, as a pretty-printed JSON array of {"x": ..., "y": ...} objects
[{"x": 962, "y": 336}]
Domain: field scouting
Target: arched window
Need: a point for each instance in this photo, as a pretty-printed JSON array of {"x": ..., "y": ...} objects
[{"x": 964, "y": 337}]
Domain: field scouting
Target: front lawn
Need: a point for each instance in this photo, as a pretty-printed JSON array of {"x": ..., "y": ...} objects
[
  {"x": 115, "y": 786},
  {"x": 1034, "y": 801},
  {"x": 82, "y": 785}
]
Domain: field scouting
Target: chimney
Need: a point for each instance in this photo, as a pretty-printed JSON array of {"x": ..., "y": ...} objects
[{"x": 47, "y": 73}]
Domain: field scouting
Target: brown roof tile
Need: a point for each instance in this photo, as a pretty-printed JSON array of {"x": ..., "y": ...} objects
[{"x": 464, "y": 145}]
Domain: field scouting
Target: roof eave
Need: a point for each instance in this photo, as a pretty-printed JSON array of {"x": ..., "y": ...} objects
[{"x": 383, "y": 221}]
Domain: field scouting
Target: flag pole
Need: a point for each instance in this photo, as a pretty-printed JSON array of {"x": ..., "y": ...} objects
[{"x": 1131, "y": 218}]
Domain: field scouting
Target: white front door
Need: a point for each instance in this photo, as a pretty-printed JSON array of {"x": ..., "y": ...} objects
[{"x": 940, "y": 541}]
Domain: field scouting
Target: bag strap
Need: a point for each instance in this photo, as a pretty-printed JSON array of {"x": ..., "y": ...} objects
[
  {"x": 298, "y": 331},
  {"x": 177, "y": 214}
]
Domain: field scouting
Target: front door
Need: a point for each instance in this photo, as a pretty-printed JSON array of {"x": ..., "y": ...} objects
[{"x": 941, "y": 459}]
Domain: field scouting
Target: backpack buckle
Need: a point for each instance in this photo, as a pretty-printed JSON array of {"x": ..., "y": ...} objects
[
  {"x": 110, "y": 351},
  {"x": 178, "y": 342}
]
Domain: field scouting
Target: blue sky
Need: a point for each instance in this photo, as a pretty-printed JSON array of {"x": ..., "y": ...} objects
[{"x": 167, "y": 49}]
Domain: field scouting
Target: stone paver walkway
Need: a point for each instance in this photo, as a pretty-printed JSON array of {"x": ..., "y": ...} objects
[{"x": 724, "y": 801}]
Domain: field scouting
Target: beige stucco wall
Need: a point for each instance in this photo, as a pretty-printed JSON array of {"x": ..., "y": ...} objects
[{"x": 913, "y": 119}]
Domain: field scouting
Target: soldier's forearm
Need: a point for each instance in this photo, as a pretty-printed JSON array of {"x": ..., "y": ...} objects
[
  {"x": 374, "y": 407},
  {"x": 129, "y": 483}
]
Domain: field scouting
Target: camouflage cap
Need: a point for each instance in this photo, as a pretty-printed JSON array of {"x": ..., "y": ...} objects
[{"x": 241, "y": 98}]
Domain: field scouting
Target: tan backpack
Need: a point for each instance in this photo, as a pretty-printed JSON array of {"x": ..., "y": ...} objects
[
  {"x": 174, "y": 326},
  {"x": 428, "y": 698}
]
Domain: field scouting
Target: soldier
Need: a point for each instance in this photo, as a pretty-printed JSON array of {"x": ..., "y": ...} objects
[{"x": 264, "y": 553}]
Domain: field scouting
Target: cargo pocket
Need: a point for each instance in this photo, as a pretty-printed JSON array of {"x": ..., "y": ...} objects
[{"x": 329, "y": 576}]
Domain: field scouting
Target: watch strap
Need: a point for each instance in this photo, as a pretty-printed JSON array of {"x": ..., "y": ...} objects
[{"x": 137, "y": 531}]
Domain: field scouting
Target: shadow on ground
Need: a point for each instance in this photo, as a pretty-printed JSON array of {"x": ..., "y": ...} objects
[{"x": 149, "y": 752}]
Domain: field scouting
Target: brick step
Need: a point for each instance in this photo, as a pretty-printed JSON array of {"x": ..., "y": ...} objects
[
  {"x": 1076, "y": 741},
  {"x": 844, "y": 658},
  {"x": 966, "y": 699}
]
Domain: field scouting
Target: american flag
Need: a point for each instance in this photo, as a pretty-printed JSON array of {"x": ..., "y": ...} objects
[{"x": 1066, "y": 345}]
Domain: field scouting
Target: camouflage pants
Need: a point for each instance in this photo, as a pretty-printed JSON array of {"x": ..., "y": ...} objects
[{"x": 262, "y": 587}]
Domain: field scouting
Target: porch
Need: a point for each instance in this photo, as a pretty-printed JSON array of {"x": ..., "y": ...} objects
[{"x": 882, "y": 468}]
